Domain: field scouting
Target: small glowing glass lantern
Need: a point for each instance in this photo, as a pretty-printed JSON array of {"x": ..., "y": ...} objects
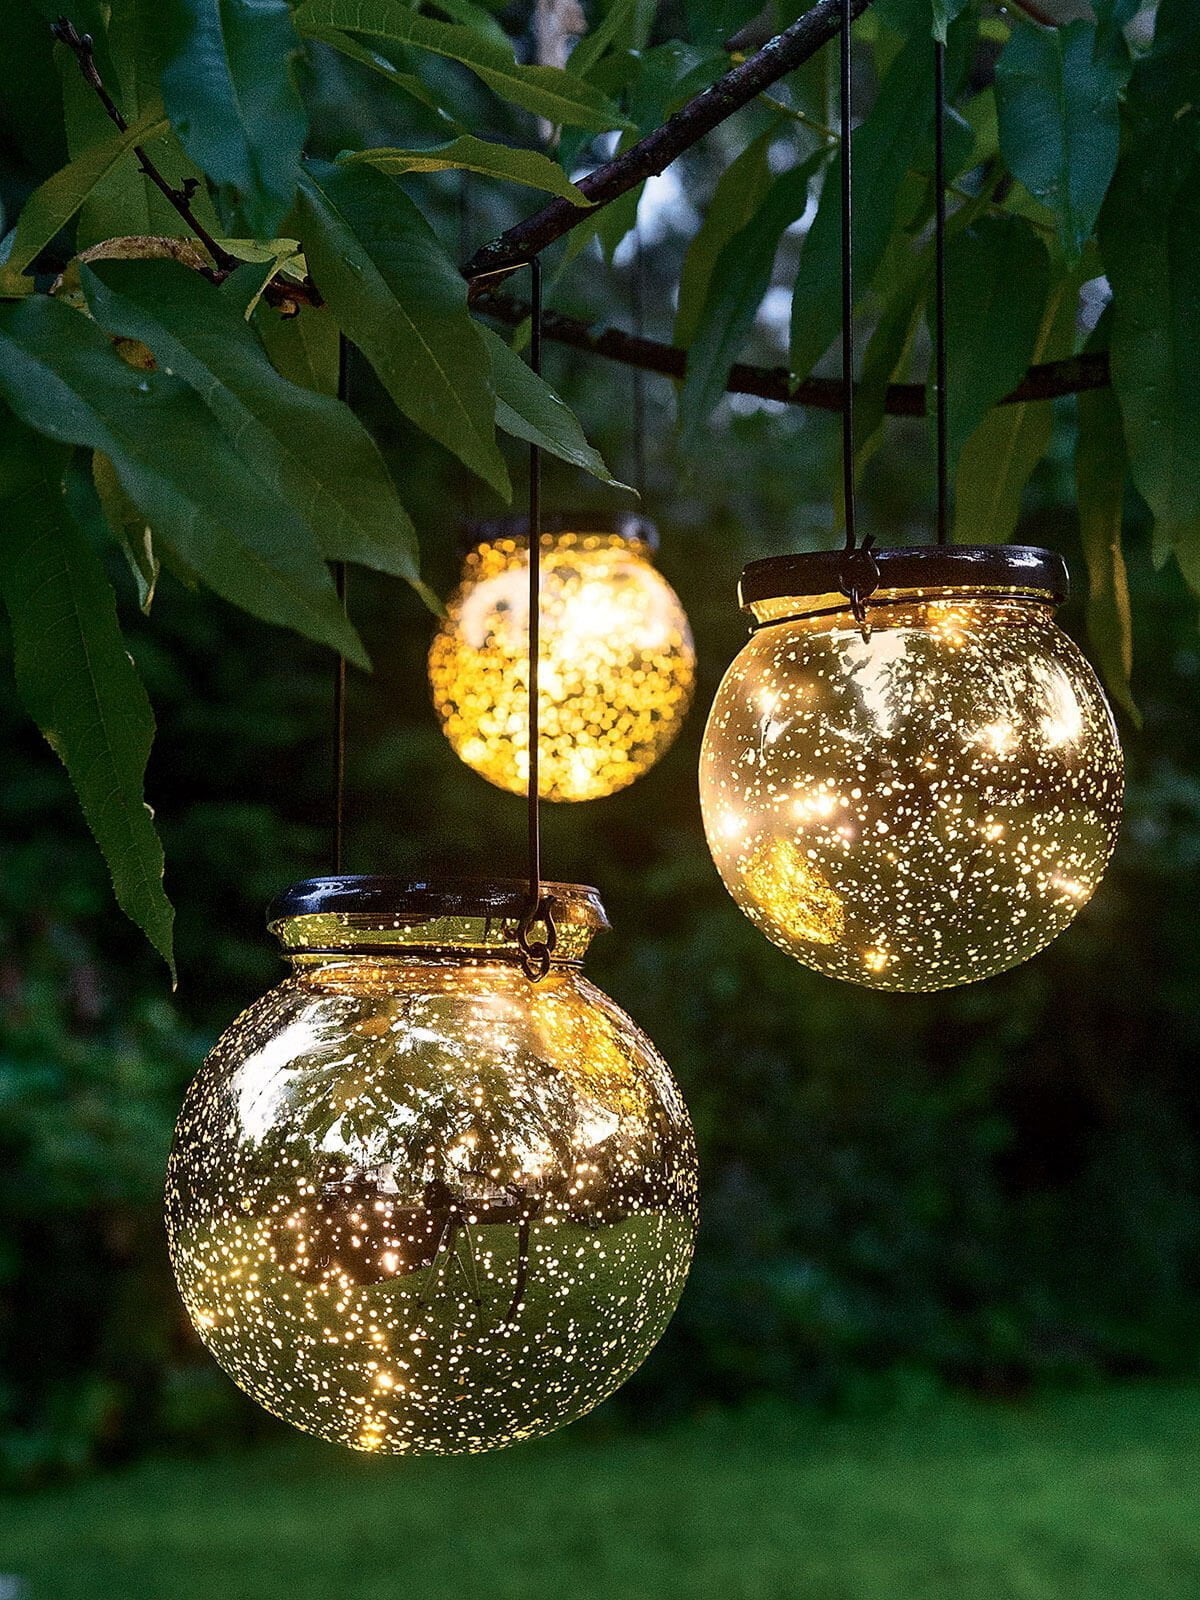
[
  {"x": 616, "y": 663},
  {"x": 922, "y": 800},
  {"x": 417, "y": 1203}
]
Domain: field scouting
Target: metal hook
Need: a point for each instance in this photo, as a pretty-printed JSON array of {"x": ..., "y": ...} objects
[
  {"x": 536, "y": 953},
  {"x": 859, "y": 574}
]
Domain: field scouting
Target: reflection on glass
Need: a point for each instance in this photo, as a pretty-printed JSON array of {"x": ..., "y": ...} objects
[
  {"x": 418, "y": 1204},
  {"x": 616, "y": 665},
  {"x": 921, "y": 807}
]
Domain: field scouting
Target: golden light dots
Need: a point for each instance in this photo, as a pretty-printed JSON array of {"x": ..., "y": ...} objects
[
  {"x": 616, "y": 664},
  {"x": 417, "y": 1203},
  {"x": 919, "y": 802}
]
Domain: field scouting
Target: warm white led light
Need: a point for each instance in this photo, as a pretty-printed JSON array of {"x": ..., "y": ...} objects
[
  {"x": 417, "y": 1203},
  {"x": 616, "y": 665},
  {"x": 919, "y": 806}
]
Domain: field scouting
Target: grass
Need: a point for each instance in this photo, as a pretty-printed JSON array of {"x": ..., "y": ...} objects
[{"x": 1082, "y": 1497}]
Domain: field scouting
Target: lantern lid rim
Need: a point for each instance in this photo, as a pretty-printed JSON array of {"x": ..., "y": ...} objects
[
  {"x": 628, "y": 525},
  {"x": 397, "y": 900},
  {"x": 1005, "y": 567}
]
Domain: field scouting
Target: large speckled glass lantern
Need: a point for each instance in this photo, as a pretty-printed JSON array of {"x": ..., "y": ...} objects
[
  {"x": 925, "y": 799},
  {"x": 616, "y": 665},
  {"x": 417, "y": 1202}
]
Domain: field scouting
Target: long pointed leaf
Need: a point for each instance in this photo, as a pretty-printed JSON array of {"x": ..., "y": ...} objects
[
  {"x": 310, "y": 449},
  {"x": 60, "y": 374},
  {"x": 528, "y": 408},
  {"x": 399, "y": 297},
  {"x": 227, "y": 79},
  {"x": 469, "y": 154},
  {"x": 561, "y": 97},
  {"x": 74, "y": 673},
  {"x": 52, "y": 206},
  {"x": 1100, "y": 468}
]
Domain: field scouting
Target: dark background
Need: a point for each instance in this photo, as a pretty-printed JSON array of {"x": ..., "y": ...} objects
[{"x": 991, "y": 1188}]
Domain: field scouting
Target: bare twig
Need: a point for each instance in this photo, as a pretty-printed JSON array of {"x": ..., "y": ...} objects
[
  {"x": 1044, "y": 382},
  {"x": 80, "y": 44},
  {"x": 656, "y": 152}
]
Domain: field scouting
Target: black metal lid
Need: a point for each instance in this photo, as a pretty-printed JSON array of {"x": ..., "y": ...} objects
[
  {"x": 414, "y": 899},
  {"x": 619, "y": 524},
  {"x": 986, "y": 566}
]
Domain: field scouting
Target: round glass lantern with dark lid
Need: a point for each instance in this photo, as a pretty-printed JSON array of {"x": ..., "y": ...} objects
[
  {"x": 616, "y": 662},
  {"x": 920, "y": 795},
  {"x": 417, "y": 1202}
]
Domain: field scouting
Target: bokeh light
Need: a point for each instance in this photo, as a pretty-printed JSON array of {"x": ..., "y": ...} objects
[
  {"x": 418, "y": 1203},
  {"x": 921, "y": 802},
  {"x": 616, "y": 663}
]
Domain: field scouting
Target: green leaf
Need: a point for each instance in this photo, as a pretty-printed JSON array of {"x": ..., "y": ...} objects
[
  {"x": 592, "y": 47},
  {"x": 52, "y": 206},
  {"x": 529, "y": 409},
  {"x": 60, "y": 374},
  {"x": 128, "y": 527},
  {"x": 229, "y": 87},
  {"x": 1148, "y": 233},
  {"x": 407, "y": 82},
  {"x": 560, "y": 97},
  {"x": 883, "y": 147},
  {"x": 310, "y": 450},
  {"x": 740, "y": 278},
  {"x": 1057, "y": 99},
  {"x": 944, "y": 13},
  {"x": 998, "y": 459},
  {"x": 997, "y": 280},
  {"x": 1100, "y": 467},
  {"x": 528, "y": 167},
  {"x": 74, "y": 673},
  {"x": 736, "y": 198},
  {"x": 303, "y": 348},
  {"x": 399, "y": 297}
]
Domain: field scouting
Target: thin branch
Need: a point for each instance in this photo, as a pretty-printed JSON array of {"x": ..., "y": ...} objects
[
  {"x": 80, "y": 44},
  {"x": 1044, "y": 382},
  {"x": 656, "y": 152}
]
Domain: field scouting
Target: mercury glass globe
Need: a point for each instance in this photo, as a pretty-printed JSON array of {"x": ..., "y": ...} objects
[
  {"x": 417, "y": 1202},
  {"x": 616, "y": 663},
  {"x": 923, "y": 800}
]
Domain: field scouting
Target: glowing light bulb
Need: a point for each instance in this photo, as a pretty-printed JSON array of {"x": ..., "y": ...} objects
[
  {"x": 616, "y": 666},
  {"x": 417, "y": 1203},
  {"x": 924, "y": 803}
]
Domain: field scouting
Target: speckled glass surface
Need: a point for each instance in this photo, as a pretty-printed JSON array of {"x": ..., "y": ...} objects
[
  {"x": 922, "y": 807},
  {"x": 616, "y": 665},
  {"x": 421, "y": 1206}
]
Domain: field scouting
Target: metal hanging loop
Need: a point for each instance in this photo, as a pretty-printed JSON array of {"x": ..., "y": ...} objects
[{"x": 859, "y": 579}]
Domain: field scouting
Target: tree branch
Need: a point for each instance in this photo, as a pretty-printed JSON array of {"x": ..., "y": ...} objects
[
  {"x": 1044, "y": 382},
  {"x": 80, "y": 45},
  {"x": 656, "y": 152}
]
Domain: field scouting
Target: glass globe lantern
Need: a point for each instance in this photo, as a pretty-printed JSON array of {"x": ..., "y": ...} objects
[
  {"x": 416, "y": 1202},
  {"x": 925, "y": 798},
  {"x": 616, "y": 662}
]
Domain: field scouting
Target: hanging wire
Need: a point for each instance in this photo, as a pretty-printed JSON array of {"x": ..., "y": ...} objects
[
  {"x": 939, "y": 294},
  {"x": 535, "y": 953},
  {"x": 847, "y": 176},
  {"x": 638, "y": 299},
  {"x": 339, "y": 671},
  {"x": 860, "y": 574}
]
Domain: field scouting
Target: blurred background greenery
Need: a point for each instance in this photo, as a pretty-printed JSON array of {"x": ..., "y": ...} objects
[{"x": 991, "y": 1189}]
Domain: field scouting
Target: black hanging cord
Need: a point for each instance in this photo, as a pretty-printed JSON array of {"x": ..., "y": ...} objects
[
  {"x": 860, "y": 574},
  {"x": 535, "y": 953},
  {"x": 847, "y": 177},
  {"x": 939, "y": 295},
  {"x": 339, "y": 671},
  {"x": 638, "y": 298}
]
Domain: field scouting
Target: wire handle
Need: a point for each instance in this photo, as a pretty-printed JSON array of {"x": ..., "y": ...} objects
[{"x": 535, "y": 953}]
